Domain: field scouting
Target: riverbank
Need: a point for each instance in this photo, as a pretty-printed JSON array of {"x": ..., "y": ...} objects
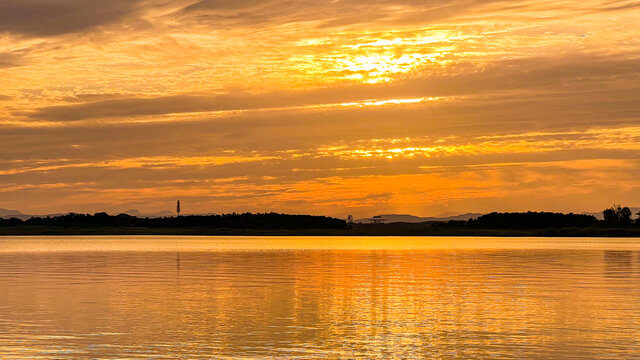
[{"x": 399, "y": 229}]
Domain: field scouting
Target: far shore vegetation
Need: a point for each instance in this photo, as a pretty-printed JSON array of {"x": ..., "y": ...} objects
[{"x": 618, "y": 222}]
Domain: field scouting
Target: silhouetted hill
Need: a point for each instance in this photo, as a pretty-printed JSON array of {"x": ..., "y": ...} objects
[
  {"x": 405, "y": 218},
  {"x": 7, "y": 212},
  {"x": 138, "y": 213}
]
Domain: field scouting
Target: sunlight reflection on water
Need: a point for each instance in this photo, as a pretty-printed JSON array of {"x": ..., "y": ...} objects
[{"x": 315, "y": 297}]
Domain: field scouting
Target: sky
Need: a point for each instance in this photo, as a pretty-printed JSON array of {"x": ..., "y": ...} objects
[{"x": 320, "y": 107}]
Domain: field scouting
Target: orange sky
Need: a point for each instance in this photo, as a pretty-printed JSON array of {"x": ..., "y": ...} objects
[{"x": 325, "y": 107}]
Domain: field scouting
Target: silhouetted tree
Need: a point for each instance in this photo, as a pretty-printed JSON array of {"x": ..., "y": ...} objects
[
  {"x": 377, "y": 219},
  {"x": 625, "y": 216},
  {"x": 617, "y": 215},
  {"x": 610, "y": 215}
]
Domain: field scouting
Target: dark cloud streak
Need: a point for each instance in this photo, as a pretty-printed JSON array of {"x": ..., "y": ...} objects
[
  {"x": 338, "y": 14},
  {"x": 572, "y": 73},
  {"x": 9, "y": 60},
  {"x": 43, "y": 18}
]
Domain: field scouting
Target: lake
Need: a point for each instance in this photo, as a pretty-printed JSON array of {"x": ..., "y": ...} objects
[{"x": 146, "y": 297}]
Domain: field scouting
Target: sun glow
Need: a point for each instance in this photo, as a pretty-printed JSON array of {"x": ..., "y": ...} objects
[
  {"x": 373, "y": 58},
  {"x": 375, "y": 68}
]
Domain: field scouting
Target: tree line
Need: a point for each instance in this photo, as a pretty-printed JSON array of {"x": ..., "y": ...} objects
[
  {"x": 615, "y": 216},
  {"x": 532, "y": 220},
  {"x": 231, "y": 221}
]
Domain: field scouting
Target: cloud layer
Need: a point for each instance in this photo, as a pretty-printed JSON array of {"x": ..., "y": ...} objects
[{"x": 343, "y": 107}]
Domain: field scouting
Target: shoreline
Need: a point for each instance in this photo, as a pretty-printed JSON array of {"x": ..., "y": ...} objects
[{"x": 364, "y": 231}]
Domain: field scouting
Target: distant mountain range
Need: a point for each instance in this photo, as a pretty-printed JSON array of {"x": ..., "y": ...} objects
[
  {"x": 137, "y": 213},
  {"x": 7, "y": 214},
  {"x": 395, "y": 218},
  {"x": 385, "y": 218}
]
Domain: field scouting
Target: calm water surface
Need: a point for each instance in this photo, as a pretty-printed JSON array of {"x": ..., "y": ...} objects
[{"x": 315, "y": 297}]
